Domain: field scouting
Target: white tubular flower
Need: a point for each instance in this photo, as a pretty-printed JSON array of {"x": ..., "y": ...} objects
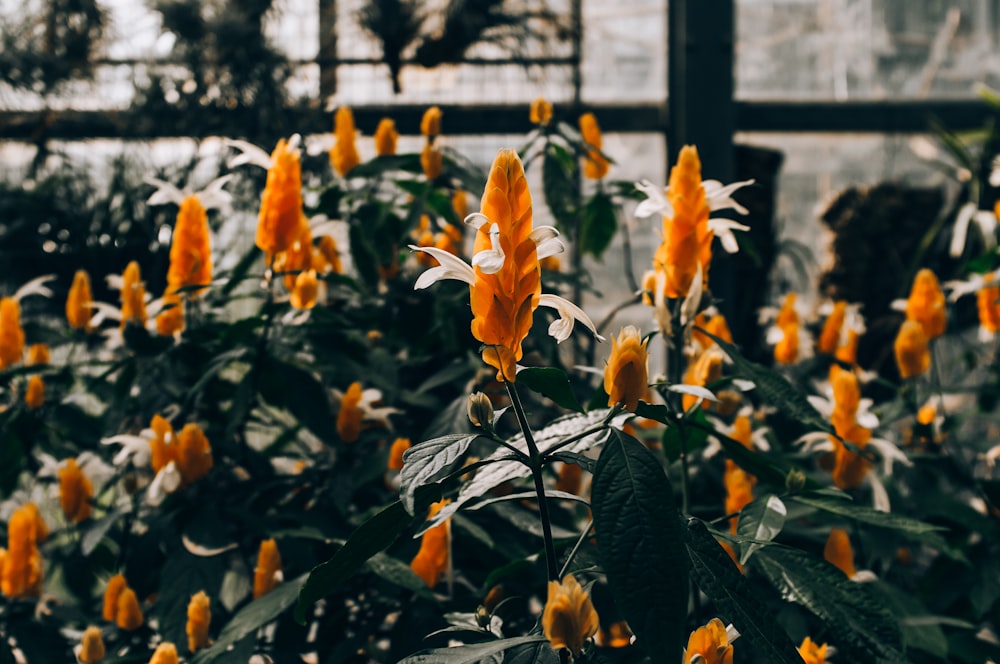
[
  {"x": 135, "y": 447},
  {"x": 723, "y": 229},
  {"x": 985, "y": 219},
  {"x": 166, "y": 482},
  {"x": 656, "y": 201},
  {"x": 212, "y": 196},
  {"x": 547, "y": 242},
  {"x": 693, "y": 390},
  {"x": 490, "y": 261},
  {"x": 249, "y": 154},
  {"x": 476, "y": 220},
  {"x": 569, "y": 313},
  {"x": 718, "y": 196},
  {"x": 451, "y": 267},
  {"x": 689, "y": 308},
  {"x": 889, "y": 454},
  {"x": 35, "y": 287}
]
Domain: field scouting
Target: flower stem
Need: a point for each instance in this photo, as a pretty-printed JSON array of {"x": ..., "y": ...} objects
[{"x": 535, "y": 464}]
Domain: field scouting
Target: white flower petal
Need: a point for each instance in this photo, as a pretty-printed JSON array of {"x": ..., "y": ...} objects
[
  {"x": 547, "y": 242},
  {"x": 889, "y": 453},
  {"x": 477, "y": 220},
  {"x": 166, "y": 482},
  {"x": 743, "y": 385},
  {"x": 815, "y": 440},
  {"x": 693, "y": 390},
  {"x": 731, "y": 632},
  {"x": 720, "y": 196},
  {"x": 880, "y": 497},
  {"x": 961, "y": 229},
  {"x": 451, "y": 267},
  {"x": 723, "y": 229},
  {"x": 861, "y": 576},
  {"x": 569, "y": 313},
  {"x": 656, "y": 202},
  {"x": 165, "y": 192},
  {"x": 898, "y": 305},
  {"x": 987, "y": 222},
  {"x": 35, "y": 287},
  {"x": 249, "y": 154},
  {"x": 491, "y": 261},
  {"x": 689, "y": 308},
  {"x": 214, "y": 196}
]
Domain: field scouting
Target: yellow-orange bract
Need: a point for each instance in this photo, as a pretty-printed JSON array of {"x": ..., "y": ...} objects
[
  {"x": 811, "y": 652},
  {"x": 351, "y": 414},
  {"x": 913, "y": 355},
  {"x": 22, "y": 568},
  {"x": 91, "y": 646},
  {"x": 926, "y": 304},
  {"x": 267, "y": 574},
  {"x": 399, "y": 446},
  {"x": 194, "y": 454},
  {"x": 569, "y": 618},
  {"x": 988, "y": 303},
  {"x": 703, "y": 371},
  {"x": 386, "y": 137},
  {"x": 78, "y": 302},
  {"x": 432, "y": 161},
  {"x": 326, "y": 257},
  {"x": 849, "y": 468},
  {"x": 540, "y": 112},
  {"x": 165, "y": 653},
  {"x": 848, "y": 352},
  {"x": 739, "y": 491},
  {"x": 34, "y": 396},
  {"x": 133, "y": 296},
  {"x": 11, "y": 333},
  {"x": 75, "y": 491},
  {"x": 170, "y": 320},
  {"x": 163, "y": 445},
  {"x": 199, "y": 616},
  {"x": 786, "y": 351},
  {"x": 39, "y": 354},
  {"x": 431, "y": 561},
  {"x": 112, "y": 590},
  {"x": 190, "y": 248},
  {"x": 305, "y": 291},
  {"x": 281, "y": 202},
  {"x": 503, "y": 303},
  {"x": 829, "y": 338},
  {"x": 711, "y": 642},
  {"x": 687, "y": 242},
  {"x": 595, "y": 165},
  {"x": 626, "y": 373},
  {"x": 344, "y": 155},
  {"x": 839, "y": 552},
  {"x": 430, "y": 123},
  {"x": 128, "y": 613}
]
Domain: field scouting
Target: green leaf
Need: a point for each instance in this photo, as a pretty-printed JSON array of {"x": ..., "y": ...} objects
[
  {"x": 859, "y": 623},
  {"x": 600, "y": 222},
  {"x": 559, "y": 185},
  {"x": 250, "y": 618},
  {"x": 369, "y": 538},
  {"x": 775, "y": 389},
  {"x": 868, "y": 515},
  {"x": 382, "y": 164},
  {"x": 718, "y": 577},
  {"x": 397, "y": 572},
  {"x": 468, "y": 654},
  {"x": 533, "y": 653},
  {"x": 652, "y": 411},
  {"x": 640, "y": 542},
  {"x": 693, "y": 437},
  {"x": 761, "y": 520},
  {"x": 304, "y": 395},
  {"x": 427, "y": 462},
  {"x": 552, "y": 383},
  {"x": 96, "y": 532},
  {"x": 365, "y": 257}
]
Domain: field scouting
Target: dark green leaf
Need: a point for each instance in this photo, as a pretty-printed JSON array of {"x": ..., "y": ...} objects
[
  {"x": 679, "y": 436},
  {"x": 533, "y": 653},
  {"x": 365, "y": 257},
  {"x": 429, "y": 461},
  {"x": 468, "y": 654},
  {"x": 600, "y": 222},
  {"x": 859, "y": 623},
  {"x": 717, "y": 576},
  {"x": 867, "y": 514},
  {"x": 304, "y": 395},
  {"x": 761, "y": 520},
  {"x": 397, "y": 572},
  {"x": 559, "y": 185},
  {"x": 657, "y": 412},
  {"x": 382, "y": 164},
  {"x": 584, "y": 462},
  {"x": 552, "y": 383},
  {"x": 640, "y": 540},
  {"x": 97, "y": 530},
  {"x": 188, "y": 574}
]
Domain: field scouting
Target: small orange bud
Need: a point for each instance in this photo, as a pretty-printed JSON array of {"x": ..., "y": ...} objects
[
  {"x": 194, "y": 454},
  {"x": 569, "y": 618},
  {"x": 112, "y": 591},
  {"x": 540, "y": 112},
  {"x": 432, "y": 560},
  {"x": 399, "y": 446},
  {"x": 711, "y": 642},
  {"x": 268, "y": 573},
  {"x": 75, "y": 491},
  {"x": 432, "y": 161},
  {"x": 133, "y": 296},
  {"x": 926, "y": 304},
  {"x": 386, "y": 137},
  {"x": 430, "y": 123},
  {"x": 78, "y": 312},
  {"x": 344, "y": 155},
  {"x": 306, "y": 290},
  {"x": 199, "y": 615},
  {"x": 39, "y": 354},
  {"x": 595, "y": 165},
  {"x": 165, "y": 653},
  {"x": 626, "y": 373},
  {"x": 11, "y": 332},
  {"x": 34, "y": 396},
  {"x": 811, "y": 652},
  {"x": 839, "y": 552},
  {"x": 128, "y": 614},
  {"x": 351, "y": 414},
  {"x": 91, "y": 646},
  {"x": 913, "y": 355}
]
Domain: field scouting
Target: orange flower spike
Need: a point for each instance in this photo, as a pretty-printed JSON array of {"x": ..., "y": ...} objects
[
  {"x": 811, "y": 652},
  {"x": 839, "y": 552},
  {"x": 170, "y": 320},
  {"x": 504, "y": 301},
  {"x": 194, "y": 453},
  {"x": 190, "y": 248},
  {"x": 739, "y": 491},
  {"x": 569, "y": 618},
  {"x": 91, "y": 646},
  {"x": 78, "y": 302},
  {"x": 327, "y": 250},
  {"x": 165, "y": 653},
  {"x": 829, "y": 338},
  {"x": 305, "y": 292},
  {"x": 712, "y": 643},
  {"x": 432, "y": 161},
  {"x": 39, "y": 354},
  {"x": 680, "y": 253},
  {"x": 430, "y": 123},
  {"x": 34, "y": 396},
  {"x": 268, "y": 573},
  {"x": 199, "y": 616},
  {"x": 626, "y": 375},
  {"x": 787, "y": 314},
  {"x": 743, "y": 431},
  {"x": 595, "y": 165},
  {"x": 913, "y": 355},
  {"x": 163, "y": 445},
  {"x": 281, "y": 202},
  {"x": 989, "y": 310},
  {"x": 11, "y": 332},
  {"x": 399, "y": 447},
  {"x": 344, "y": 155},
  {"x": 128, "y": 614},
  {"x": 21, "y": 575},
  {"x": 75, "y": 491},
  {"x": 846, "y": 397},
  {"x": 926, "y": 304},
  {"x": 386, "y": 138},
  {"x": 434, "y": 555},
  {"x": 133, "y": 296},
  {"x": 540, "y": 112},
  {"x": 351, "y": 414},
  {"x": 786, "y": 351},
  {"x": 112, "y": 590},
  {"x": 850, "y": 468}
]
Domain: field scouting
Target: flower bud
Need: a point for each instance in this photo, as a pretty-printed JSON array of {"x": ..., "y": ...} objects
[
  {"x": 480, "y": 411},
  {"x": 795, "y": 481}
]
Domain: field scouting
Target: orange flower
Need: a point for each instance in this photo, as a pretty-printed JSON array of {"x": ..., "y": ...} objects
[
  {"x": 569, "y": 618},
  {"x": 22, "y": 569},
  {"x": 460, "y": 203},
  {"x": 34, "y": 396},
  {"x": 926, "y": 304},
  {"x": 199, "y": 615},
  {"x": 165, "y": 653},
  {"x": 194, "y": 454},
  {"x": 11, "y": 333},
  {"x": 432, "y": 161},
  {"x": 846, "y": 397},
  {"x": 399, "y": 446},
  {"x": 541, "y": 111},
  {"x": 829, "y": 338},
  {"x": 112, "y": 591},
  {"x": 162, "y": 446},
  {"x": 432, "y": 560},
  {"x": 133, "y": 296},
  {"x": 811, "y": 652},
  {"x": 742, "y": 431},
  {"x": 326, "y": 257},
  {"x": 75, "y": 491},
  {"x": 626, "y": 373},
  {"x": 386, "y": 137},
  {"x": 713, "y": 643},
  {"x": 850, "y": 468},
  {"x": 704, "y": 371},
  {"x": 297, "y": 256},
  {"x": 715, "y": 325},
  {"x": 78, "y": 302},
  {"x": 351, "y": 414},
  {"x": 988, "y": 302},
  {"x": 170, "y": 320},
  {"x": 268, "y": 574},
  {"x": 686, "y": 238},
  {"x": 430, "y": 124},
  {"x": 848, "y": 352},
  {"x": 190, "y": 248},
  {"x": 306, "y": 290},
  {"x": 913, "y": 355},
  {"x": 39, "y": 354},
  {"x": 618, "y": 635},
  {"x": 344, "y": 155},
  {"x": 91, "y": 646},
  {"x": 128, "y": 613},
  {"x": 595, "y": 165},
  {"x": 839, "y": 552},
  {"x": 739, "y": 491},
  {"x": 786, "y": 351},
  {"x": 281, "y": 202},
  {"x": 570, "y": 478}
]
